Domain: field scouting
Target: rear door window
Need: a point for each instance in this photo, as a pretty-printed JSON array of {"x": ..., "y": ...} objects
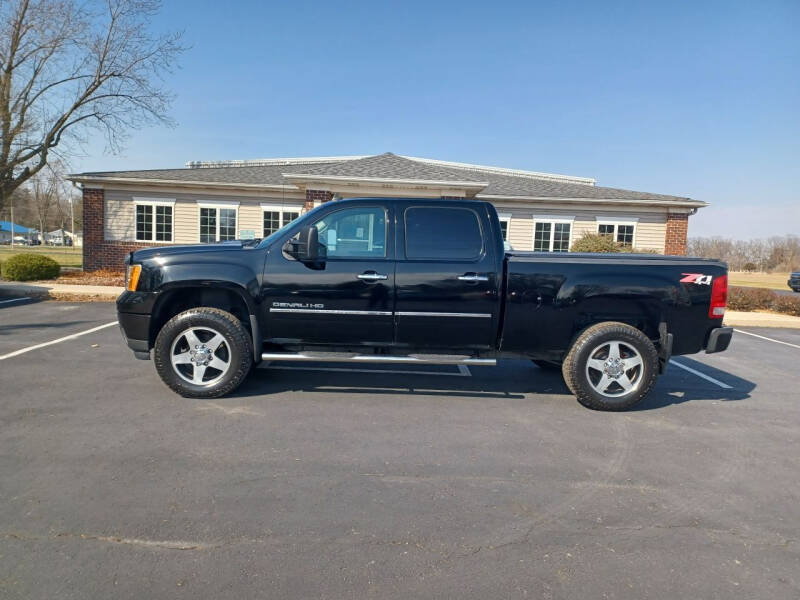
[{"x": 438, "y": 232}]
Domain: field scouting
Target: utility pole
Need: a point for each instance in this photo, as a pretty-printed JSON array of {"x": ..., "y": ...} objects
[
  {"x": 72, "y": 221},
  {"x": 12, "y": 221}
]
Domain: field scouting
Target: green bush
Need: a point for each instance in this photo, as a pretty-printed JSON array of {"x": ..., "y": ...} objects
[
  {"x": 594, "y": 242},
  {"x": 28, "y": 267},
  {"x": 787, "y": 305}
]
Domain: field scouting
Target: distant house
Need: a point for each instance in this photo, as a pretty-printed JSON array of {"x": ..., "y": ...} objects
[
  {"x": 216, "y": 201},
  {"x": 6, "y": 228}
]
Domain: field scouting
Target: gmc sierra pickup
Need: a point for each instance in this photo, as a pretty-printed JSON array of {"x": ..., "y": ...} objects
[{"x": 410, "y": 281}]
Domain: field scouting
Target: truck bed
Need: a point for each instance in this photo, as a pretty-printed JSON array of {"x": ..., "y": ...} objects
[{"x": 550, "y": 297}]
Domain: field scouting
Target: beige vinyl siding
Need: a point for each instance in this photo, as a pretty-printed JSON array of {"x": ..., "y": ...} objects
[
  {"x": 650, "y": 232},
  {"x": 120, "y": 214}
]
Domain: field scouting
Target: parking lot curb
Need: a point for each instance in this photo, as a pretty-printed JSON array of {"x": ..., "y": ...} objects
[
  {"x": 760, "y": 319},
  {"x": 65, "y": 292}
]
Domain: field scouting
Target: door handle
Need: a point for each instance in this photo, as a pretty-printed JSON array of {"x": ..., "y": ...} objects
[
  {"x": 474, "y": 277},
  {"x": 372, "y": 276}
]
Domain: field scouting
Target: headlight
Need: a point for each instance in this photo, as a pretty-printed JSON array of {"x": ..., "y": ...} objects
[{"x": 132, "y": 273}]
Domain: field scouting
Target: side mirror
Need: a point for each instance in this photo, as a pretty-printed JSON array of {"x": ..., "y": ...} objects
[{"x": 306, "y": 247}]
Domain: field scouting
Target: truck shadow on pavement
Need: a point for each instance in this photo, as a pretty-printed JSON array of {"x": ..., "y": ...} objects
[
  {"x": 515, "y": 380},
  {"x": 677, "y": 386}
]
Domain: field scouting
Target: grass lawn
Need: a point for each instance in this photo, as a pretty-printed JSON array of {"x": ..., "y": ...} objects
[
  {"x": 65, "y": 256},
  {"x": 774, "y": 281}
]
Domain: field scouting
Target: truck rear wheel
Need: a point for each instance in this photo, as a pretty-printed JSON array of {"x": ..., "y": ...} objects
[
  {"x": 203, "y": 353},
  {"x": 611, "y": 366}
]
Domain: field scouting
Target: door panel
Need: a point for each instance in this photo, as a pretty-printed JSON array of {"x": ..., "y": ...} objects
[
  {"x": 446, "y": 279},
  {"x": 349, "y": 301}
]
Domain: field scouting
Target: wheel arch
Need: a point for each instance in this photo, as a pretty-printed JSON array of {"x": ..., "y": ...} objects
[{"x": 227, "y": 296}]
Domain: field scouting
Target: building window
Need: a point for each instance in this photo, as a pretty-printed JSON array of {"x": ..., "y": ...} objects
[
  {"x": 552, "y": 235},
  {"x": 144, "y": 223},
  {"x": 217, "y": 224},
  {"x": 276, "y": 217},
  {"x": 620, "y": 232},
  {"x": 153, "y": 220},
  {"x": 163, "y": 223},
  {"x": 505, "y": 219}
]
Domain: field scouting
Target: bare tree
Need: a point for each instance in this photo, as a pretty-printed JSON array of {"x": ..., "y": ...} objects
[
  {"x": 772, "y": 254},
  {"x": 68, "y": 66},
  {"x": 44, "y": 196}
]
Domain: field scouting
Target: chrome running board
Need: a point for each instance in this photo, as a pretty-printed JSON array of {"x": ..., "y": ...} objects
[{"x": 430, "y": 359}]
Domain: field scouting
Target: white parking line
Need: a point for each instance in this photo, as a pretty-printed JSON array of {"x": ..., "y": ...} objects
[
  {"x": 699, "y": 374},
  {"x": 763, "y": 337},
  {"x": 58, "y": 341},
  {"x": 15, "y": 300},
  {"x": 462, "y": 372}
]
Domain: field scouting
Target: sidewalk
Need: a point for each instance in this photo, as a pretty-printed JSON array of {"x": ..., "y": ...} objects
[{"x": 60, "y": 291}]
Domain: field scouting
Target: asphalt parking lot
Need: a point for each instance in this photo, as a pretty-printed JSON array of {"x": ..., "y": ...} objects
[{"x": 430, "y": 482}]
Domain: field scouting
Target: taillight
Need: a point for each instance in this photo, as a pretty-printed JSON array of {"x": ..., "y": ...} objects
[{"x": 719, "y": 297}]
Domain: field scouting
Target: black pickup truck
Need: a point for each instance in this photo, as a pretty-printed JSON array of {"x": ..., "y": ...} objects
[
  {"x": 794, "y": 281},
  {"x": 411, "y": 281}
]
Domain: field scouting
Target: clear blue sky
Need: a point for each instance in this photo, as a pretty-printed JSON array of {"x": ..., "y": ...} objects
[{"x": 689, "y": 98}]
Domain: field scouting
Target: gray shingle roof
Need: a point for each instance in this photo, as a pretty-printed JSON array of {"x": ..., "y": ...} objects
[{"x": 390, "y": 166}]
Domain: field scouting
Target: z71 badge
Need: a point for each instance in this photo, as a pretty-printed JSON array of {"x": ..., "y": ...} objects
[{"x": 697, "y": 278}]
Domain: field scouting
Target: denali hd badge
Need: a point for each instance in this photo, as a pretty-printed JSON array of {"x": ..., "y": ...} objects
[
  {"x": 296, "y": 305},
  {"x": 697, "y": 278}
]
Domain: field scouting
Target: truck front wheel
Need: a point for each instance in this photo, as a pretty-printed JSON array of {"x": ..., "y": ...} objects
[
  {"x": 611, "y": 366},
  {"x": 203, "y": 353}
]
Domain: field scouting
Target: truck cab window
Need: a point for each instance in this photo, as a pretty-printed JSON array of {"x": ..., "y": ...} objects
[
  {"x": 442, "y": 233},
  {"x": 354, "y": 233}
]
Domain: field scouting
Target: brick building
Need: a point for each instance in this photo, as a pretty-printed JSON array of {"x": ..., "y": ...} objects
[{"x": 216, "y": 201}]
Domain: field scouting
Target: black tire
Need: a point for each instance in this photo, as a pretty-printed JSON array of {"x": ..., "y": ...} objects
[
  {"x": 236, "y": 347},
  {"x": 582, "y": 381},
  {"x": 547, "y": 365}
]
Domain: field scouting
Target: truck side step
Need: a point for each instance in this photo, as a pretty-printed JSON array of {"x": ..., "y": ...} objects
[{"x": 430, "y": 359}]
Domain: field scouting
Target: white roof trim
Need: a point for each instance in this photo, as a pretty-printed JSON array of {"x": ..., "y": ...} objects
[
  {"x": 553, "y": 218},
  {"x": 269, "y": 162},
  {"x": 617, "y": 220},
  {"x": 504, "y": 171},
  {"x": 142, "y": 181},
  {"x": 282, "y": 207},
  {"x": 476, "y": 185},
  {"x": 218, "y": 203},
  {"x": 154, "y": 201},
  {"x": 655, "y": 202}
]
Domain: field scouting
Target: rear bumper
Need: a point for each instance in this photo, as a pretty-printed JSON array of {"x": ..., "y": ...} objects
[{"x": 719, "y": 339}]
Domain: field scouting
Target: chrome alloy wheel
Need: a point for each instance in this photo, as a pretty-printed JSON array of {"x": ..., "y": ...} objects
[
  {"x": 200, "y": 355},
  {"x": 614, "y": 369}
]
